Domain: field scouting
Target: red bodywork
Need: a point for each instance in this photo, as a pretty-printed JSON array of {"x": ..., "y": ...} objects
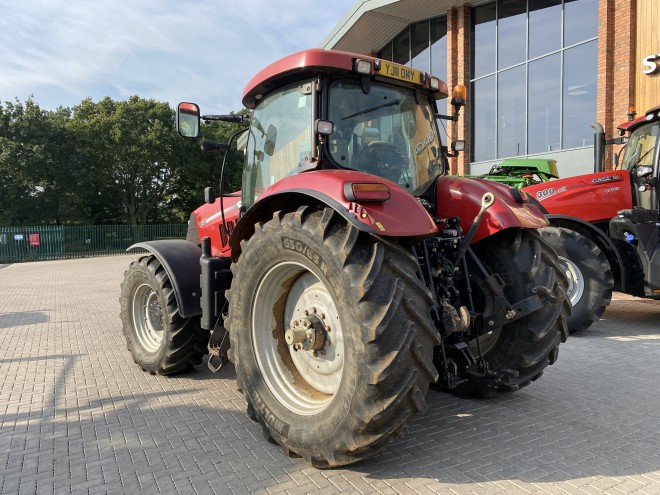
[
  {"x": 591, "y": 197},
  {"x": 209, "y": 223},
  {"x": 461, "y": 197},
  {"x": 401, "y": 216}
]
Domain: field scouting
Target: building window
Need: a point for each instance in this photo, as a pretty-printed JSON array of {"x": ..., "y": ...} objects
[
  {"x": 422, "y": 45},
  {"x": 533, "y": 76}
]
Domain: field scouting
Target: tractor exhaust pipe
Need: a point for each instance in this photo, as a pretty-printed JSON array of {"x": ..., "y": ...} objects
[{"x": 599, "y": 147}]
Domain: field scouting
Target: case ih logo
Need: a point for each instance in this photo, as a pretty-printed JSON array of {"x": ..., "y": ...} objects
[{"x": 609, "y": 178}]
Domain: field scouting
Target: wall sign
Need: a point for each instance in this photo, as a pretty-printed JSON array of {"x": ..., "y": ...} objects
[{"x": 652, "y": 64}]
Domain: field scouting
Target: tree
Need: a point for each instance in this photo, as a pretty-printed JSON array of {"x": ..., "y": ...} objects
[
  {"x": 105, "y": 162},
  {"x": 132, "y": 145},
  {"x": 32, "y": 145}
]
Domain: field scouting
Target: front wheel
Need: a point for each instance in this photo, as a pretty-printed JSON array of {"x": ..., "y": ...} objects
[
  {"x": 589, "y": 275},
  {"x": 332, "y": 336},
  {"x": 159, "y": 339}
]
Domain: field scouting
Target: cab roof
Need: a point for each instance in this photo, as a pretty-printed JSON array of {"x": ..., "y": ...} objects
[
  {"x": 651, "y": 115},
  {"x": 301, "y": 65}
]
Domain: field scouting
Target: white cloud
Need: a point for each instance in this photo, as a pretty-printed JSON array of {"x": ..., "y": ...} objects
[{"x": 195, "y": 50}]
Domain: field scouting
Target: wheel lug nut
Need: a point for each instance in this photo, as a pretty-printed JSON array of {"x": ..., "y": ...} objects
[
  {"x": 323, "y": 316},
  {"x": 306, "y": 313},
  {"x": 327, "y": 328}
]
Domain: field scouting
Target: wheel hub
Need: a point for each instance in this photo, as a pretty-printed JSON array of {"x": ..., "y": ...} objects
[
  {"x": 308, "y": 334},
  {"x": 575, "y": 287},
  {"x": 154, "y": 312}
]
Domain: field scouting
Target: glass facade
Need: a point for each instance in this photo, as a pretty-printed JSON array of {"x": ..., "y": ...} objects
[
  {"x": 422, "y": 45},
  {"x": 533, "y": 76}
]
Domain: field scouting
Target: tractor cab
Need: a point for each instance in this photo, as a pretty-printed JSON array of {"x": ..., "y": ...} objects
[
  {"x": 320, "y": 110},
  {"x": 641, "y": 158},
  {"x": 637, "y": 229}
]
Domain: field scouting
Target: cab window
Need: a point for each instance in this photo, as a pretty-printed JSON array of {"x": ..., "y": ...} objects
[{"x": 279, "y": 138}]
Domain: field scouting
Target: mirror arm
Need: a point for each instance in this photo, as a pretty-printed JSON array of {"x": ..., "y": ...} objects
[{"x": 237, "y": 118}]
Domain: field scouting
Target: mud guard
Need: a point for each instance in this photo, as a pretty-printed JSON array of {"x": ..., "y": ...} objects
[
  {"x": 461, "y": 197},
  {"x": 180, "y": 259},
  {"x": 400, "y": 216}
]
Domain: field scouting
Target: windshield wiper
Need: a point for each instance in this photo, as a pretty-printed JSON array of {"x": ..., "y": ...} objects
[
  {"x": 362, "y": 112},
  {"x": 638, "y": 161}
]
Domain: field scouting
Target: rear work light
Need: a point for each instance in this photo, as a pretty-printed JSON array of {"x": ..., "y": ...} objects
[
  {"x": 366, "y": 191},
  {"x": 362, "y": 67}
]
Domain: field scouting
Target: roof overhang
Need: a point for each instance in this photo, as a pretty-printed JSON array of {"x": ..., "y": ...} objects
[{"x": 372, "y": 23}]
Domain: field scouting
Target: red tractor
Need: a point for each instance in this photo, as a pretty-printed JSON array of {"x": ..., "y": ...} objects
[
  {"x": 348, "y": 274},
  {"x": 605, "y": 225}
]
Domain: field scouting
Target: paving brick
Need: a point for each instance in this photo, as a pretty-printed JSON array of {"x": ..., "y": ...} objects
[{"x": 77, "y": 415}]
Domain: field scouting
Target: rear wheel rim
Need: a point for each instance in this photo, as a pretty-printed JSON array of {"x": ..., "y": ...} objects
[
  {"x": 304, "y": 381},
  {"x": 148, "y": 317},
  {"x": 575, "y": 288}
]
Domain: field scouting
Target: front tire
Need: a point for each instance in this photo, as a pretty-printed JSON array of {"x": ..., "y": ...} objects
[
  {"x": 159, "y": 339},
  {"x": 340, "y": 394},
  {"x": 531, "y": 343},
  {"x": 589, "y": 275}
]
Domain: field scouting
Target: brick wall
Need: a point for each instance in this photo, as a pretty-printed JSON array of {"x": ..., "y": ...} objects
[
  {"x": 616, "y": 65},
  {"x": 458, "y": 72}
]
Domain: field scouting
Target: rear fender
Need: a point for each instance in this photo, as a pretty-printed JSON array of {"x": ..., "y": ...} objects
[
  {"x": 180, "y": 259},
  {"x": 400, "y": 216},
  {"x": 461, "y": 197}
]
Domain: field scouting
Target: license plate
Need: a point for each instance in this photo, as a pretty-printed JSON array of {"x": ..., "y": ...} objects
[{"x": 400, "y": 72}]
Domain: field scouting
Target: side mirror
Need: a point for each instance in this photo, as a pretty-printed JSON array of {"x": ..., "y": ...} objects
[{"x": 187, "y": 120}]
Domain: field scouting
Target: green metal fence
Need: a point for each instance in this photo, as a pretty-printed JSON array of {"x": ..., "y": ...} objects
[{"x": 78, "y": 241}]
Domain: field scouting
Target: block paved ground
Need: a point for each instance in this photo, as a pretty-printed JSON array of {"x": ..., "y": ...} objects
[{"x": 77, "y": 416}]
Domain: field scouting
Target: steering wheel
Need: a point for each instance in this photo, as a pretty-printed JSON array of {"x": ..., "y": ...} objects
[{"x": 382, "y": 159}]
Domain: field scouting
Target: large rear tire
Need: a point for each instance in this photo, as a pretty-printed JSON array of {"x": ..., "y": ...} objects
[
  {"x": 340, "y": 394},
  {"x": 589, "y": 275},
  {"x": 530, "y": 344},
  {"x": 159, "y": 339}
]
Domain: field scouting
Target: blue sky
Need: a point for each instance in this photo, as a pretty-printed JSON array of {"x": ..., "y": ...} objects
[{"x": 62, "y": 51}]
